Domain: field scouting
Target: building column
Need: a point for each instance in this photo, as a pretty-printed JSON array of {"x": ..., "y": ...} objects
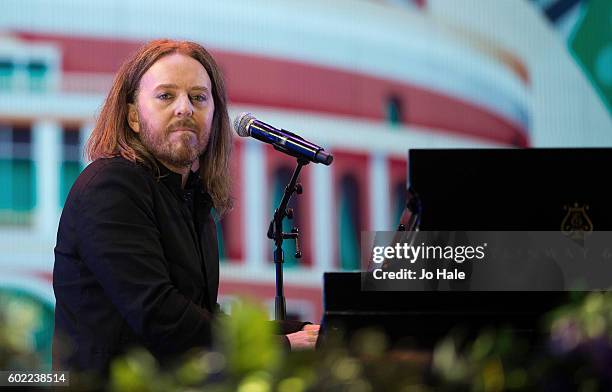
[
  {"x": 84, "y": 134},
  {"x": 379, "y": 193},
  {"x": 254, "y": 218},
  {"x": 321, "y": 191},
  {"x": 47, "y": 143}
]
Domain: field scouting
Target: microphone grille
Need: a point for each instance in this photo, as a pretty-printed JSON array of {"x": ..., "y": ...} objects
[{"x": 241, "y": 124}]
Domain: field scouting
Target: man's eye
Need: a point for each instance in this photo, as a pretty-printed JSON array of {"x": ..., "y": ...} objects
[
  {"x": 200, "y": 98},
  {"x": 164, "y": 96}
]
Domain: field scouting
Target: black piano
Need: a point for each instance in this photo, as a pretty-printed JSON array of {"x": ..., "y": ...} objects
[{"x": 477, "y": 189}]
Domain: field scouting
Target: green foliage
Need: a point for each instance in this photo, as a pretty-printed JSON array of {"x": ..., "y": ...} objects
[
  {"x": 493, "y": 361},
  {"x": 137, "y": 372},
  {"x": 583, "y": 320},
  {"x": 25, "y": 341},
  {"x": 577, "y": 353},
  {"x": 248, "y": 356},
  {"x": 248, "y": 340},
  {"x": 246, "y": 359}
]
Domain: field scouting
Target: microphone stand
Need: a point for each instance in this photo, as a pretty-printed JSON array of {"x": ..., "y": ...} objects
[{"x": 275, "y": 232}]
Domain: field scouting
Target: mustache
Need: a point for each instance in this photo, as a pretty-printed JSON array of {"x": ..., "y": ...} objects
[{"x": 186, "y": 123}]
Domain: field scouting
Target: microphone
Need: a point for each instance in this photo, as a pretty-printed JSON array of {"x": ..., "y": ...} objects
[{"x": 282, "y": 140}]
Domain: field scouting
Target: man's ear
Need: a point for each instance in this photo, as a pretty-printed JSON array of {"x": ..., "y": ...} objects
[{"x": 133, "y": 117}]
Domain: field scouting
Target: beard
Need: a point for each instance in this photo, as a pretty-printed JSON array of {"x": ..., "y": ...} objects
[{"x": 179, "y": 149}]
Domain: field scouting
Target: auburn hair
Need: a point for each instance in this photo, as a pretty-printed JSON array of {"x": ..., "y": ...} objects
[{"x": 112, "y": 135}]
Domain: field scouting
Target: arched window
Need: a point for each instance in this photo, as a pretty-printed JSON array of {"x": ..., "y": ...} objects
[
  {"x": 71, "y": 161},
  {"x": 399, "y": 202},
  {"x": 281, "y": 178},
  {"x": 7, "y": 71},
  {"x": 221, "y": 230},
  {"x": 394, "y": 110},
  {"x": 349, "y": 223},
  {"x": 37, "y": 72},
  {"x": 17, "y": 174}
]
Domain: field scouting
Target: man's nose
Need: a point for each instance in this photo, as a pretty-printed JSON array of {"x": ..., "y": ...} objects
[{"x": 184, "y": 106}]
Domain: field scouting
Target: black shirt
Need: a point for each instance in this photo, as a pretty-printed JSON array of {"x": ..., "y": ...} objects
[{"x": 136, "y": 263}]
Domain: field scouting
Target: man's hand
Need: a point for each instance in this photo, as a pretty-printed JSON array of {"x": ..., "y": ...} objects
[{"x": 304, "y": 339}]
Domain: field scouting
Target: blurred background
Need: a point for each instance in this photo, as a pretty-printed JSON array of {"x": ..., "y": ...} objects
[{"x": 366, "y": 79}]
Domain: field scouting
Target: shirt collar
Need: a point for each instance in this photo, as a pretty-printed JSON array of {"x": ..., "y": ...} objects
[
  {"x": 175, "y": 179},
  {"x": 193, "y": 184}
]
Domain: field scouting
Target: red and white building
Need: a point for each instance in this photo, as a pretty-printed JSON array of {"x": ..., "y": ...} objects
[{"x": 366, "y": 80}]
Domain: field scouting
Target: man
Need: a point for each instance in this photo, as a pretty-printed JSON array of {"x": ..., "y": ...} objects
[{"x": 136, "y": 260}]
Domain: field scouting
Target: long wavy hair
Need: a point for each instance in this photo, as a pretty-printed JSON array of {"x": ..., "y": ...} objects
[{"x": 112, "y": 135}]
